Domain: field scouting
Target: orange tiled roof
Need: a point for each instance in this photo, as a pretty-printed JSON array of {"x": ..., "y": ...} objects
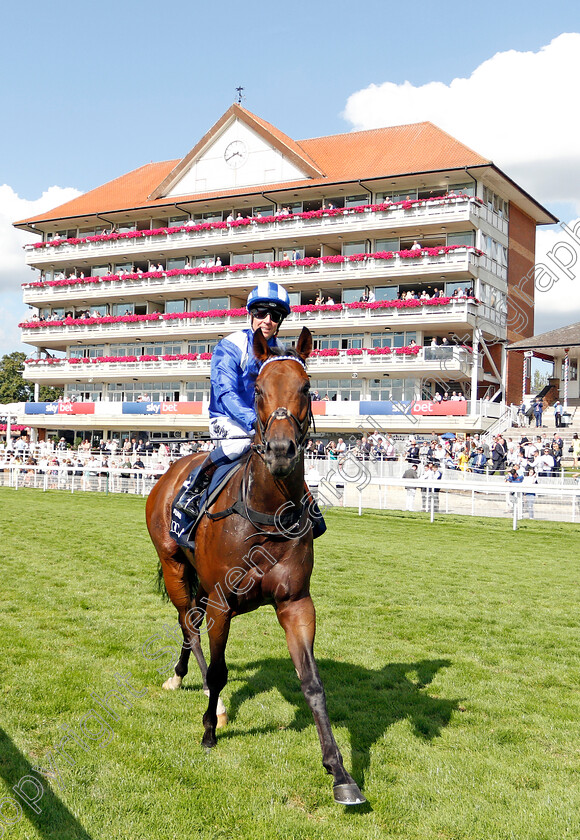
[{"x": 377, "y": 153}]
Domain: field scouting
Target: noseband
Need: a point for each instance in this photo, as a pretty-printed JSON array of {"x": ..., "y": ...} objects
[{"x": 282, "y": 413}]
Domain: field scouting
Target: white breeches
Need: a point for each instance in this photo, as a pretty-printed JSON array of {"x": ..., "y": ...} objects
[{"x": 230, "y": 434}]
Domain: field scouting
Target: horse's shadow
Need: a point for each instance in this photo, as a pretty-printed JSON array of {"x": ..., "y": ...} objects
[
  {"x": 365, "y": 701},
  {"x": 50, "y": 816}
]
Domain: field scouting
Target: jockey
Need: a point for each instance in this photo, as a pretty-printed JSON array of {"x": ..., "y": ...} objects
[{"x": 234, "y": 370}]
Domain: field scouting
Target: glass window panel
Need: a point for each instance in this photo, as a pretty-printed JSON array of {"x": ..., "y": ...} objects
[
  {"x": 176, "y": 262},
  {"x": 386, "y": 292},
  {"x": 266, "y": 256},
  {"x": 392, "y": 244},
  {"x": 99, "y": 270},
  {"x": 357, "y": 200},
  {"x": 354, "y": 248},
  {"x": 466, "y": 237},
  {"x": 175, "y": 305},
  {"x": 352, "y": 295},
  {"x": 123, "y": 309}
]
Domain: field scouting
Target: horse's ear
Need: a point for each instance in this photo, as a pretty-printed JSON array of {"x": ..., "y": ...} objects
[
  {"x": 261, "y": 349},
  {"x": 304, "y": 345}
]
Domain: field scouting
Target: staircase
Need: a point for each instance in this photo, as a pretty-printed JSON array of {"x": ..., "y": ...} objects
[{"x": 548, "y": 426}]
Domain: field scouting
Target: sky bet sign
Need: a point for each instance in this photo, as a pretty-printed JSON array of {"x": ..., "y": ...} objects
[{"x": 155, "y": 408}]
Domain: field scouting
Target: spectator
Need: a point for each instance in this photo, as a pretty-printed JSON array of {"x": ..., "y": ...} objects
[
  {"x": 538, "y": 410},
  {"x": 558, "y": 409},
  {"x": 575, "y": 450},
  {"x": 529, "y": 498},
  {"x": 410, "y": 473}
]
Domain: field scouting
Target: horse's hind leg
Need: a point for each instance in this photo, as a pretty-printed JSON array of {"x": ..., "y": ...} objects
[
  {"x": 178, "y": 579},
  {"x": 299, "y": 623},
  {"x": 218, "y": 624}
]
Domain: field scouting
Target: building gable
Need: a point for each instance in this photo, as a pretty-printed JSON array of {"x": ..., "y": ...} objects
[{"x": 239, "y": 151}]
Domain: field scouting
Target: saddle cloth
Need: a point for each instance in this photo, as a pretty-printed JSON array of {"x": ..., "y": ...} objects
[{"x": 183, "y": 526}]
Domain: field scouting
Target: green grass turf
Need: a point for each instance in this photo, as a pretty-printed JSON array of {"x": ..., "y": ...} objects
[{"x": 449, "y": 653}]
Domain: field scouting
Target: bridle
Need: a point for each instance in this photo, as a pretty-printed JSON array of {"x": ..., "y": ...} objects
[{"x": 282, "y": 413}]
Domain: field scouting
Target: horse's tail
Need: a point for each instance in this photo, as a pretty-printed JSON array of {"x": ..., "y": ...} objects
[
  {"x": 190, "y": 575},
  {"x": 160, "y": 587}
]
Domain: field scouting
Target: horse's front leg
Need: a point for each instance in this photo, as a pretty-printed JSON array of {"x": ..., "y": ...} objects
[
  {"x": 218, "y": 627},
  {"x": 299, "y": 622}
]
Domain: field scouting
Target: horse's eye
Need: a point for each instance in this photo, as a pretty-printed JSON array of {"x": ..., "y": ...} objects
[{"x": 258, "y": 392}]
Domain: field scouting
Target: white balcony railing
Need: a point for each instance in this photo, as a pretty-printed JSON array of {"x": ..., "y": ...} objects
[
  {"x": 421, "y": 317},
  {"x": 451, "y": 209},
  {"x": 429, "y": 360},
  {"x": 461, "y": 262}
]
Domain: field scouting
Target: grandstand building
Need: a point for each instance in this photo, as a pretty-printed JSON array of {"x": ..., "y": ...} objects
[{"x": 408, "y": 255}]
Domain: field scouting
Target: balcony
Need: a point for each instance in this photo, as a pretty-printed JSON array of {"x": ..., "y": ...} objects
[
  {"x": 355, "y": 221},
  {"x": 452, "y": 314},
  {"x": 458, "y": 263},
  {"x": 427, "y": 361}
]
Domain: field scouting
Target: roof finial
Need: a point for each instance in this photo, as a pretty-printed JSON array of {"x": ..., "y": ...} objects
[{"x": 239, "y": 91}]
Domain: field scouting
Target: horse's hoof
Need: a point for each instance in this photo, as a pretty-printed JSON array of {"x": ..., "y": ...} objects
[
  {"x": 173, "y": 683},
  {"x": 208, "y": 742},
  {"x": 349, "y": 794},
  {"x": 222, "y": 720}
]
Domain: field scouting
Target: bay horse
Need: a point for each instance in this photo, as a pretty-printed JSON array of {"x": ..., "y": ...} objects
[{"x": 260, "y": 553}]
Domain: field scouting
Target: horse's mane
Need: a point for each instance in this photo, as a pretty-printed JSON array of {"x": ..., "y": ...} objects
[{"x": 285, "y": 351}]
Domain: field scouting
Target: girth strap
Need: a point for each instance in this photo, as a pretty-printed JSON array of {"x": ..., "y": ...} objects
[{"x": 285, "y": 521}]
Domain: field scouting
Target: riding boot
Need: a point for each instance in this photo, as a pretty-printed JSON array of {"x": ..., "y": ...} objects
[{"x": 190, "y": 500}]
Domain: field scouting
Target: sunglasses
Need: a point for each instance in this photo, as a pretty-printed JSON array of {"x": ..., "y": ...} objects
[{"x": 263, "y": 313}]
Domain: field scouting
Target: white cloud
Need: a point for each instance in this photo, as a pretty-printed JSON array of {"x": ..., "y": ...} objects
[
  {"x": 13, "y": 269},
  {"x": 518, "y": 109},
  {"x": 560, "y": 303}
]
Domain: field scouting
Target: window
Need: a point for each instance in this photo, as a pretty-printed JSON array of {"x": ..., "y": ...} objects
[
  {"x": 126, "y": 227},
  {"x": 123, "y": 309},
  {"x": 349, "y": 248},
  {"x": 466, "y": 237},
  {"x": 387, "y": 388},
  {"x": 175, "y": 306},
  {"x": 401, "y": 195},
  {"x": 337, "y": 342},
  {"x": 263, "y": 256},
  {"x": 207, "y": 304},
  {"x": 177, "y": 221},
  {"x": 357, "y": 200},
  {"x": 264, "y": 210},
  {"x": 386, "y": 293},
  {"x": 346, "y": 389},
  {"x": 197, "y": 391},
  {"x": 387, "y": 244},
  {"x": 176, "y": 262},
  {"x": 88, "y": 351},
  {"x": 572, "y": 370},
  {"x": 84, "y": 391},
  {"x": 352, "y": 295},
  {"x": 202, "y": 345},
  {"x": 157, "y": 349},
  {"x": 463, "y": 189},
  {"x": 99, "y": 270},
  {"x": 131, "y": 391},
  {"x": 125, "y": 267},
  {"x": 390, "y": 339}
]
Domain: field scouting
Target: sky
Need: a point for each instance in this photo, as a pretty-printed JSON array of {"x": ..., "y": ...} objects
[{"x": 91, "y": 92}]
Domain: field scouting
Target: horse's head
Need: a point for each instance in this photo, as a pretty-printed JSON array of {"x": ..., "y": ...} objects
[{"x": 282, "y": 402}]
